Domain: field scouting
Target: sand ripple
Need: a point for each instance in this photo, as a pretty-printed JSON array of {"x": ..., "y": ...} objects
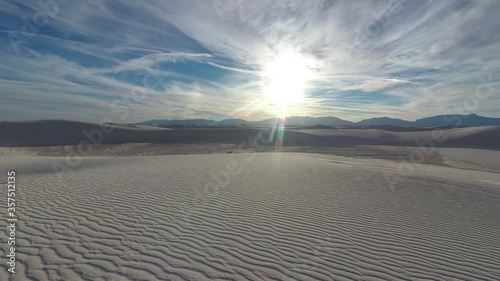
[{"x": 284, "y": 217}]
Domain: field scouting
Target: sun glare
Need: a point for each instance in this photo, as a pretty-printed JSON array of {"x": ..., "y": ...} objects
[{"x": 286, "y": 78}]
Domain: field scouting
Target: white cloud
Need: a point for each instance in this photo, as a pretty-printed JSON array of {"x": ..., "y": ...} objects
[
  {"x": 145, "y": 62},
  {"x": 425, "y": 54}
]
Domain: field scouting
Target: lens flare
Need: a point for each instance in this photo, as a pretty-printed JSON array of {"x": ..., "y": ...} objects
[{"x": 286, "y": 79}]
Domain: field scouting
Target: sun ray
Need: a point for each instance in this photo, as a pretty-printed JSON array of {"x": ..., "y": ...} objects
[{"x": 286, "y": 78}]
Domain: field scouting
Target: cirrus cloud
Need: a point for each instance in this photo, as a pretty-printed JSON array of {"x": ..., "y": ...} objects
[{"x": 405, "y": 59}]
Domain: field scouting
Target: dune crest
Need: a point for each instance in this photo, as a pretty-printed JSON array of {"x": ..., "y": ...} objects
[{"x": 50, "y": 133}]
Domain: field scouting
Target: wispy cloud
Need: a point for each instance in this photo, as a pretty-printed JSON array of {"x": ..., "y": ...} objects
[
  {"x": 145, "y": 62},
  {"x": 401, "y": 58}
]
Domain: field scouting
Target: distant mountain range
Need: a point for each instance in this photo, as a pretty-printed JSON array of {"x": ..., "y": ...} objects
[{"x": 470, "y": 120}]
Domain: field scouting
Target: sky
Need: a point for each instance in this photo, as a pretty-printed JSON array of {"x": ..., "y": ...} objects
[{"x": 131, "y": 61}]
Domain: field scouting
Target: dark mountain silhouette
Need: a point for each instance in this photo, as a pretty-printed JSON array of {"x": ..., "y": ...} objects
[
  {"x": 384, "y": 121},
  {"x": 232, "y": 122},
  {"x": 471, "y": 120},
  {"x": 199, "y": 122},
  {"x": 307, "y": 121}
]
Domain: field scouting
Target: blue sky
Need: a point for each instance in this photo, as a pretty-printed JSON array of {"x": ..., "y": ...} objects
[{"x": 130, "y": 61}]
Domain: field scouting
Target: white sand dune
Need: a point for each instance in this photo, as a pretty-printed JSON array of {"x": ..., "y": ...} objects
[
  {"x": 475, "y": 159},
  {"x": 487, "y": 137},
  {"x": 277, "y": 217},
  {"x": 50, "y": 133}
]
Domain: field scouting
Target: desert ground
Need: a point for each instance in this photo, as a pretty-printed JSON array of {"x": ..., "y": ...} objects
[
  {"x": 330, "y": 204},
  {"x": 265, "y": 216}
]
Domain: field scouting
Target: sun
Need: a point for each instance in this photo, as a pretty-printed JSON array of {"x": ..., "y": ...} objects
[{"x": 286, "y": 77}]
